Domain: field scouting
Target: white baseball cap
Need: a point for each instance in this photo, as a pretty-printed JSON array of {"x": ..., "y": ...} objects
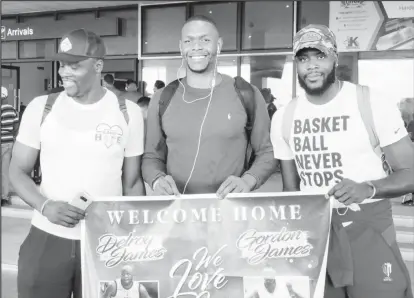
[{"x": 4, "y": 93}]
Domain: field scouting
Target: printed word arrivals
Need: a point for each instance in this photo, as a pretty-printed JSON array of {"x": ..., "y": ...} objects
[{"x": 20, "y": 32}]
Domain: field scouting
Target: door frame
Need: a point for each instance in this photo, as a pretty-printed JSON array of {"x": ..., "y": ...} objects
[{"x": 16, "y": 99}]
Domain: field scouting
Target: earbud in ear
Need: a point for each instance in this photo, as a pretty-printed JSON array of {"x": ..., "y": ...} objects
[{"x": 218, "y": 49}]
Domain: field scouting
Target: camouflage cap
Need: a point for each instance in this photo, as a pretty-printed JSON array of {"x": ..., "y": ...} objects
[{"x": 316, "y": 37}]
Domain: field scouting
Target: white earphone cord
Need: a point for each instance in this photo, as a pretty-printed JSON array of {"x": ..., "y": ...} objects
[{"x": 204, "y": 118}]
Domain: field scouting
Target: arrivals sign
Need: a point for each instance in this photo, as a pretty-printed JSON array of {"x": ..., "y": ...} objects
[
  {"x": 56, "y": 29},
  {"x": 372, "y": 25},
  {"x": 202, "y": 247},
  {"x": 10, "y": 33}
]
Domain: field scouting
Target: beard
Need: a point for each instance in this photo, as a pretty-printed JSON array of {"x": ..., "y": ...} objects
[
  {"x": 202, "y": 70},
  {"x": 329, "y": 80}
]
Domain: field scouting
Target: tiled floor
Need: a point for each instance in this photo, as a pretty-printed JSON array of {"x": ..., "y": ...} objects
[
  {"x": 8, "y": 284},
  {"x": 14, "y": 231}
]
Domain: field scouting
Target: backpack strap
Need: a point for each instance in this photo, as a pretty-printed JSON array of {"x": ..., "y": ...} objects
[
  {"x": 123, "y": 108},
  {"x": 166, "y": 96},
  {"x": 287, "y": 120},
  {"x": 245, "y": 93},
  {"x": 364, "y": 106},
  {"x": 51, "y": 99}
]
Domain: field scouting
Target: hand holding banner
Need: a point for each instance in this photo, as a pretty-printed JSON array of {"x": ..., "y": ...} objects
[{"x": 255, "y": 245}]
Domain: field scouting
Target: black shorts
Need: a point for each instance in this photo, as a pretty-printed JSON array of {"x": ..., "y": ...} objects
[{"x": 378, "y": 268}]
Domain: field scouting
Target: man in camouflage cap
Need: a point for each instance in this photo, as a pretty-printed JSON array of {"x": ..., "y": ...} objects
[
  {"x": 321, "y": 38},
  {"x": 323, "y": 142}
]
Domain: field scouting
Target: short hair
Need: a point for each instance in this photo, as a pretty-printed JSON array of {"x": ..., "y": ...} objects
[
  {"x": 129, "y": 81},
  {"x": 119, "y": 85},
  {"x": 143, "y": 101},
  {"x": 201, "y": 18},
  {"x": 159, "y": 84},
  {"x": 109, "y": 78}
]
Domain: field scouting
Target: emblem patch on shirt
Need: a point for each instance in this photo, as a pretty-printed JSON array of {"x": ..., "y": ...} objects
[
  {"x": 109, "y": 135},
  {"x": 387, "y": 269}
]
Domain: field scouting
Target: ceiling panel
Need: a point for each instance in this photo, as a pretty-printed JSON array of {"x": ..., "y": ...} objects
[{"x": 17, "y": 7}]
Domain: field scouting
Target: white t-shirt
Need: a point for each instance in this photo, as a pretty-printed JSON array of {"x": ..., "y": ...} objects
[
  {"x": 121, "y": 292},
  {"x": 82, "y": 149},
  {"x": 330, "y": 142}
]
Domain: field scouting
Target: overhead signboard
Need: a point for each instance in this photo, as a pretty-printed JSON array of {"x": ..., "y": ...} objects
[
  {"x": 355, "y": 24},
  {"x": 363, "y": 26},
  {"x": 49, "y": 30},
  {"x": 399, "y": 9}
]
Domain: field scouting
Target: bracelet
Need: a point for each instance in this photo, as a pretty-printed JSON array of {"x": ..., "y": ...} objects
[
  {"x": 156, "y": 182},
  {"x": 373, "y": 188},
  {"x": 44, "y": 205}
]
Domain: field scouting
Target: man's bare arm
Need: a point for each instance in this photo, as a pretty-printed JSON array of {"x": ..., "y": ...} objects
[
  {"x": 290, "y": 176},
  {"x": 400, "y": 157},
  {"x": 57, "y": 212},
  {"x": 132, "y": 182},
  {"x": 21, "y": 165}
]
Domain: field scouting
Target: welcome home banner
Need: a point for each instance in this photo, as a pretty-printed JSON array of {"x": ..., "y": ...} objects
[{"x": 255, "y": 246}]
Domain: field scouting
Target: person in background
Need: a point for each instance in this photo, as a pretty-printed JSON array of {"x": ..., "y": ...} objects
[
  {"x": 407, "y": 113},
  {"x": 21, "y": 110},
  {"x": 142, "y": 88},
  {"x": 119, "y": 89},
  {"x": 108, "y": 82},
  {"x": 132, "y": 88},
  {"x": 9, "y": 124},
  {"x": 269, "y": 98},
  {"x": 158, "y": 85},
  {"x": 143, "y": 103}
]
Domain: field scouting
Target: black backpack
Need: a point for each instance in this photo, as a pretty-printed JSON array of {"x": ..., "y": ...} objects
[{"x": 245, "y": 93}]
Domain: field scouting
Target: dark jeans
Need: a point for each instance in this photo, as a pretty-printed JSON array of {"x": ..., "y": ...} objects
[{"x": 49, "y": 266}]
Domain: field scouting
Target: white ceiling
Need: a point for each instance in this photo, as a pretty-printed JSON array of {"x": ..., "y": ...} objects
[{"x": 18, "y": 7}]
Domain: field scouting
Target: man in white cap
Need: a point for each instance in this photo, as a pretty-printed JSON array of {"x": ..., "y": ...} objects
[
  {"x": 342, "y": 140},
  {"x": 9, "y": 122},
  {"x": 88, "y": 141}
]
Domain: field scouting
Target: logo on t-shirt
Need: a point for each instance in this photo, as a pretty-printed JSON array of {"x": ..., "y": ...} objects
[
  {"x": 387, "y": 269},
  {"x": 318, "y": 165},
  {"x": 108, "y": 135}
]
